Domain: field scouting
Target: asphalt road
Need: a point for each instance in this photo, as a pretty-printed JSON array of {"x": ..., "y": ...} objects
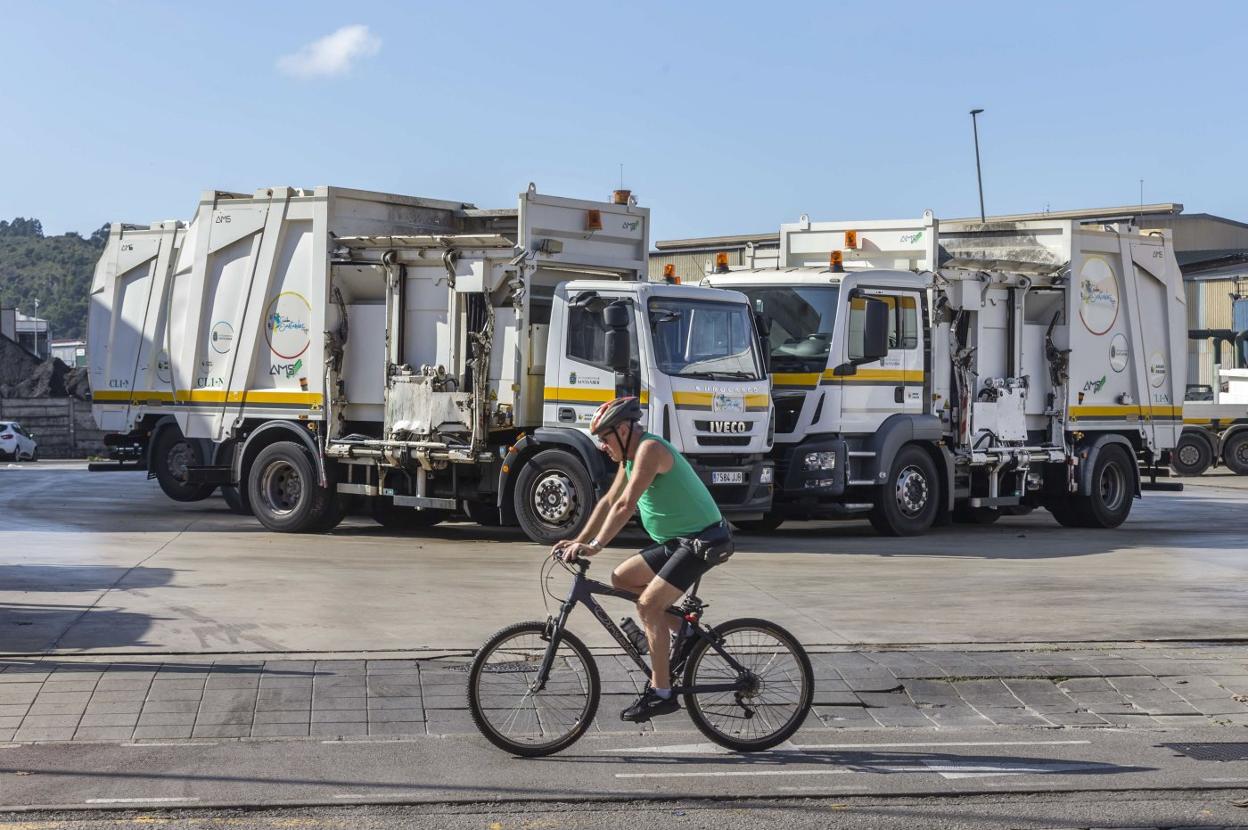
[
  {"x": 104, "y": 563},
  {"x": 1169, "y": 809},
  {"x": 613, "y": 768}
]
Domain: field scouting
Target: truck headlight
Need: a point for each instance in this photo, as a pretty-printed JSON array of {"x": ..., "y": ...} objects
[
  {"x": 765, "y": 477},
  {"x": 819, "y": 461}
]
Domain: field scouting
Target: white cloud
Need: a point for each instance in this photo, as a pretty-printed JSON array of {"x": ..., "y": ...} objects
[{"x": 331, "y": 55}]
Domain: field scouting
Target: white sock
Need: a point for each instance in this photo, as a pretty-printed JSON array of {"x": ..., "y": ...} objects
[{"x": 663, "y": 693}]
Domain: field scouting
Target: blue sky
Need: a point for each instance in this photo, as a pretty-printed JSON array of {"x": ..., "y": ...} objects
[{"x": 727, "y": 117}]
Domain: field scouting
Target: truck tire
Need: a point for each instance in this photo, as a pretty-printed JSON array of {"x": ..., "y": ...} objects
[
  {"x": 1235, "y": 453},
  {"x": 284, "y": 490},
  {"x": 907, "y": 504},
  {"x": 553, "y": 497},
  {"x": 1109, "y": 502},
  {"x": 1192, "y": 455},
  {"x": 397, "y": 517},
  {"x": 768, "y": 523},
  {"x": 172, "y": 454},
  {"x": 236, "y": 498}
]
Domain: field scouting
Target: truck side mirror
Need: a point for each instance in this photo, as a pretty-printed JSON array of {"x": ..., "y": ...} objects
[
  {"x": 875, "y": 331},
  {"x": 764, "y": 339},
  {"x": 616, "y": 318}
]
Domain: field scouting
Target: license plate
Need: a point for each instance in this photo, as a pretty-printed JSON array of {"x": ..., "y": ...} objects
[{"x": 727, "y": 478}]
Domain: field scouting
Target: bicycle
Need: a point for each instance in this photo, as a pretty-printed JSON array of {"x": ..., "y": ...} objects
[{"x": 533, "y": 687}]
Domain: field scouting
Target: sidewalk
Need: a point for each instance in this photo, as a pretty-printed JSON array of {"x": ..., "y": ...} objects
[{"x": 1123, "y": 685}]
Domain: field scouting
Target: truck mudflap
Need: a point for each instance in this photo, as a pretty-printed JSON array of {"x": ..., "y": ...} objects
[{"x": 741, "y": 487}]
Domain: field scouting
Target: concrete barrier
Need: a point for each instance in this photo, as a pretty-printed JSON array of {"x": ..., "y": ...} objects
[{"x": 63, "y": 427}]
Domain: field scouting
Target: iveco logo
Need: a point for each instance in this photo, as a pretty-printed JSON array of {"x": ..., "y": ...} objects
[{"x": 728, "y": 426}]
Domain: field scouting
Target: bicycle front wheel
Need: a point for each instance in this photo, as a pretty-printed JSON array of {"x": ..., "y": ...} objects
[
  {"x": 519, "y": 718},
  {"x": 779, "y": 685}
]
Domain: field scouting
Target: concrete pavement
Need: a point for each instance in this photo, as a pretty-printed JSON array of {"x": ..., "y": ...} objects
[{"x": 103, "y": 563}]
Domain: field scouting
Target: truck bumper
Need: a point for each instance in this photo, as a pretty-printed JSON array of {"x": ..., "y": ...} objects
[
  {"x": 751, "y": 497},
  {"x": 803, "y": 493}
]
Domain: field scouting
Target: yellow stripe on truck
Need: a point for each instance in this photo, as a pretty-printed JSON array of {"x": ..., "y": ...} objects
[
  {"x": 580, "y": 394},
  {"x": 1125, "y": 410},
  {"x": 251, "y": 396},
  {"x": 903, "y": 376}
]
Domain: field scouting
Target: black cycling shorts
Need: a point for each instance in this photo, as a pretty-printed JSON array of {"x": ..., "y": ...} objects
[{"x": 678, "y": 563}]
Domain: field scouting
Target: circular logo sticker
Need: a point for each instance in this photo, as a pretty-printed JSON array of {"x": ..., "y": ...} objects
[
  {"x": 286, "y": 325},
  {"x": 1118, "y": 354},
  {"x": 1156, "y": 370},
  {"x": 163, "y": 372},
  {"x": 221, "y": 338},
  {"x": 1098, "y": 295}
]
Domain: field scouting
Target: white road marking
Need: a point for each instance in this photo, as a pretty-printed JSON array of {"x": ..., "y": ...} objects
[
  {"x": 139, "y": 800},
  {"x": 176, "y": 743},
  {"x": 678, "y": 749},
  {"x": 1224, "y": 780},
  {"x": 983, "y": 769},
  {"x": 734, "y": 773},
  {"x": 10, "y": 746},
  {"x": 942, "y": 744}
]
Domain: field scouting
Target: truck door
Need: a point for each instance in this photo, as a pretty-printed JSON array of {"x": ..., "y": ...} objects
[
  {"x": 582, "y": 380},
  {"x": 893, "y": 383}
]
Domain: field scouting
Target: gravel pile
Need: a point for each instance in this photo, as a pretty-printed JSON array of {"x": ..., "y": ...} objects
[{"x": 22, "y": 375}]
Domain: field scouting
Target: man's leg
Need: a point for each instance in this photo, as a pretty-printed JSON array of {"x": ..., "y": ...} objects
[
  {"x": 635, "y": 575},
  {"x": 659, "y": 625}
]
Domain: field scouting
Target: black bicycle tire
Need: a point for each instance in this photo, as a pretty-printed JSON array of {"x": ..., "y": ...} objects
[
  {"x": 735, "y": 744},
  {"x": 530, "y": 750}
]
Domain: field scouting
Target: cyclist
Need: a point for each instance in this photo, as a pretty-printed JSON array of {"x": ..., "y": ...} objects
[{"x": 678, "y": 513}]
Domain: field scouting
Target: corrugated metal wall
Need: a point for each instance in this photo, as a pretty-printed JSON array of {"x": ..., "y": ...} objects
[
  {"x": 691, "y": 268},
  {"x": 1210, "y": 305}
]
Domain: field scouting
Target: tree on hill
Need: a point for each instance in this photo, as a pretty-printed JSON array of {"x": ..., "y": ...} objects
[{"x": 56, "y": 270}]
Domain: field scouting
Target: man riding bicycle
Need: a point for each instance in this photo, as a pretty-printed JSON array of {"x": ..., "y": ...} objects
[{"x": 678, "y": 513}]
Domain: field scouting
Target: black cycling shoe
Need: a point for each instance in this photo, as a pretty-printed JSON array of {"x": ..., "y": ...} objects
[{"x": 650, "y": 705}]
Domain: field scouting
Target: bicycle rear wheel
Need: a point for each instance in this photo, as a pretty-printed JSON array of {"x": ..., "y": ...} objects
[
  {"x": 514, "y": 717},
  {"x": 781, "y": 685}
]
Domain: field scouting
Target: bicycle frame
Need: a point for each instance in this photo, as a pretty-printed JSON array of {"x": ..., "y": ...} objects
[{"x": 584, "y": 590}]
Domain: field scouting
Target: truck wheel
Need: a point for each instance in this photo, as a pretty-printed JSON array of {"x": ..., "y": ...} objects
[
  {"x": 284, "y": 492},
  {"x": 236, "y": 499},
  {"x": 553, "y": 497},
  {"x": 907, "y": 505},
  {"x": 1109, "y": 502},
  {"x": 1235, "y": 453},
  {"x": 1192, "y": 455},
  {"x": 172, "y": 454},
  {"x": 965, "y": 514},
  {"x": 768, "y": 523},
  {"x": 397, "y": 517},
  {"x": 486, "y": 515}
]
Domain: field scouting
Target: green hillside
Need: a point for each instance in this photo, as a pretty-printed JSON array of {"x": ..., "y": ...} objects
[{"x": 55, "y": 269}]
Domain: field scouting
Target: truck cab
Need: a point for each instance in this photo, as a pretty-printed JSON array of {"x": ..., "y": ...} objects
[{"x": 694, "y": 360}]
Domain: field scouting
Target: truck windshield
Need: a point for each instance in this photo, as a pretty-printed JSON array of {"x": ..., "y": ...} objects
[
  {"x": 704, "y": 339},
  {"x": 800, "y": 320}
]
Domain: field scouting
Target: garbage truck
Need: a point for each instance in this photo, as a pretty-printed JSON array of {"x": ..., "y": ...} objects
[
  {"x": 313, "y": 351},
  {"x": 1215, "y": 427},
  {"x": 928, "y": 373}
]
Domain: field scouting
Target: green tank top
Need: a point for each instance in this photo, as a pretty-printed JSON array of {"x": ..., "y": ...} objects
[{"x": 676, "y": 503}]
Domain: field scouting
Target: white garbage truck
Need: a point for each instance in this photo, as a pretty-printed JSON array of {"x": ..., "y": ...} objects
[
  {"x": 307, "y": 350},
  {"x": 1215, "y": 426},
  {"x": 925, "y": 372}
]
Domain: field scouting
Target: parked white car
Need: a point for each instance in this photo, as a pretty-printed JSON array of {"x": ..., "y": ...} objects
[{"x": 16, "y": 444}]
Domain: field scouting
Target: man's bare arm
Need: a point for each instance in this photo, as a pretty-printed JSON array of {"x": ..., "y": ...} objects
[
  {"x": 652, "y": 459},
  {"x": 598, "y": 516}
]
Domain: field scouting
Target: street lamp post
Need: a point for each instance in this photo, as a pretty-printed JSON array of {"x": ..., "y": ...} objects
[{"x": 978, "y": 173}]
